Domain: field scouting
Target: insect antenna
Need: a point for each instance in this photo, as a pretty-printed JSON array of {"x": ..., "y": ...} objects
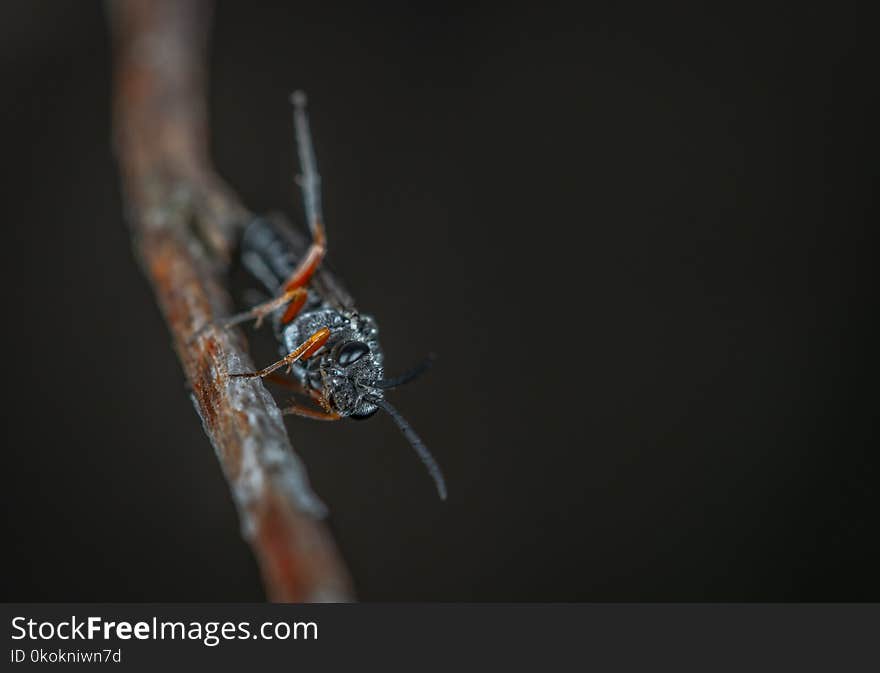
[
  {"x": 416, "y": 443},
  {"x": 406, "y": 377}
]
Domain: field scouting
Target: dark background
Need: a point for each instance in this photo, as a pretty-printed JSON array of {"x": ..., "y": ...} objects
[{"x": 637, "y": 238}]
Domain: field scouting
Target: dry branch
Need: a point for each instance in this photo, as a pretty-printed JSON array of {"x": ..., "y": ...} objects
[{"x": 184, "y": 221}]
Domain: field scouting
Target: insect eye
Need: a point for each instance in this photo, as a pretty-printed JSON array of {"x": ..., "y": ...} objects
[{"x": 351, "y": 352}]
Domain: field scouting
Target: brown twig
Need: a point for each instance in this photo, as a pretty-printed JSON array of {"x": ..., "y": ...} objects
[{"x": 184, "y": 221}]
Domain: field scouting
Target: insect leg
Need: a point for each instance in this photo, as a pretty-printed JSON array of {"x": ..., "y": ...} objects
[
  {"x": 302, "y": 352},
  {"x": 292, "y": 384},
  {"x": 310, "y": 183},
  {"x": 296, "y": 409},
  {"x": 315, "y": 414},
  {"x": 294, "y": 299},
  {"x": 294, "y": 294},
  {"x": 287, "y": 382}
]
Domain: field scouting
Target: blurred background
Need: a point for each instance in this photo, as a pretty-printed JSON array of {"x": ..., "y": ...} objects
[{"x": 637, "y": 237}]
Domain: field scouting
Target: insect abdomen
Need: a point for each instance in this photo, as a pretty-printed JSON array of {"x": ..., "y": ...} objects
[{"x": 270, "y": 252}]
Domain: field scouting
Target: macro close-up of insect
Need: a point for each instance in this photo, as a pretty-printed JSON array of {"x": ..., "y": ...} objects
[
  {"x": 477, "y": 304},
  {"x": 331, "y": 349}
]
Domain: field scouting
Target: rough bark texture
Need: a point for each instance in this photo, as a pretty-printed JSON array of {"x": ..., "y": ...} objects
[{"x": 184, "y": 221}]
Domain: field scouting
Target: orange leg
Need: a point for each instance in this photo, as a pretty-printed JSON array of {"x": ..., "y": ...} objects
[
  {"x": 289, "y": 383},
  {"x": 310, "y": 182},
  {"x": 302, "y": 352},
  {"x": 296, "y": 409},
  {"x": 293, "y": 297},
  {"x": 314, "y": 414},
  {"x": 295, "y": 306},
  {"x": 294, "y": 294},
  {"x": 311, "y": 260}
]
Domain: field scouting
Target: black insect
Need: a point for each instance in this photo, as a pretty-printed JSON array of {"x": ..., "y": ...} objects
[{"x": 331, "y": 349}]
